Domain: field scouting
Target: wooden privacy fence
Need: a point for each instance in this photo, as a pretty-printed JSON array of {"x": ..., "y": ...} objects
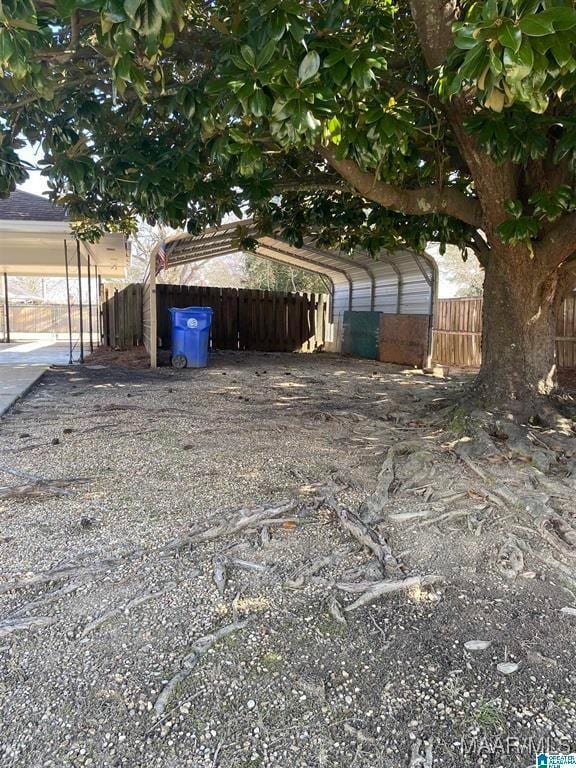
[
  {"x": 566, "y": 334},
  {"x": 249, "y": 319},
  {"x": 46, "y": 318},
  {"x": 457, "y": 333},
  {"x": 121, "y": 315}
]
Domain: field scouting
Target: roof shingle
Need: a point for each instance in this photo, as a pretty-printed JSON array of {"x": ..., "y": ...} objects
[{"x": 23, "y": 206}]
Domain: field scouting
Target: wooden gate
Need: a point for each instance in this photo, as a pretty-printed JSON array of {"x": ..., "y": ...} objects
[
  {"x": 457, "y": 333},
  {"x": 249, "y": 319}
]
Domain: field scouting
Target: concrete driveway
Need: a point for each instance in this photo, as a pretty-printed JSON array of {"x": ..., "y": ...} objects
[{"x": 22, "y": 364}]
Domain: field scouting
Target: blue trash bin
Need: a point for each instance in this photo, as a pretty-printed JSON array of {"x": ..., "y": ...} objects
[{"x": 190, "y": 336}]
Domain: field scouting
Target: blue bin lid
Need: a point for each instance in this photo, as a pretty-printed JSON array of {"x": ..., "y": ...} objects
[{"x": 192, "y": 310}]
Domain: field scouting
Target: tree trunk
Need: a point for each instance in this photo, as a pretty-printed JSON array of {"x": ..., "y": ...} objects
[{"x": 518, "y": 337}]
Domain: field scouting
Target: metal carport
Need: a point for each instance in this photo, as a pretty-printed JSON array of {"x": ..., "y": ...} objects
[{"x": 400, "y": 283}]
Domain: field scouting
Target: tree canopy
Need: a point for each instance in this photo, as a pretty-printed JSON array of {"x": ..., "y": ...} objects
[
  {"x": 183, "y": 112},
  {"x": 360, "y": 123}
]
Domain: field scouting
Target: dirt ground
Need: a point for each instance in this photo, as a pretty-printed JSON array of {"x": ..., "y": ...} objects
[{"x": 177, "y": 584}]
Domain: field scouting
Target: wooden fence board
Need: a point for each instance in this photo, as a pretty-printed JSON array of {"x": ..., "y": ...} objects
[
  {"x": 249, "y": 319},
  {"x": 46, "y": 318},
  {"x": 457, "y": 333},
  {"x": 122, "y": 310}
]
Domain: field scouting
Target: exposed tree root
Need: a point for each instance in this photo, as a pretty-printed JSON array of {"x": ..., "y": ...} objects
[
  {"x": 8, "y": 626},
  {"x": 381, "y": 588},
  {"x": 51, "y": 597},
  {"x": 479, "y": 401},
  {"x": 255, "y": 518},
  {"x": 335, "y": 609},
  {"x": 191, "y": 660},
  {"x": 39, "y": 489},
  {"x": 364, "y": 535},
  {"x": 58, "y": 574},
  {"x": 121, "y": 609},
  {"x": 300, "y": 575}
]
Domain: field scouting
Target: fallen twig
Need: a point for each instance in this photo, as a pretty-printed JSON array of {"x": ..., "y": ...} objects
[
  {"x": 247, "y": 565},
  {"x": 38, "y": 488},
  {"x": 446, "y": 516},
  {"x": 470, "y": 464}
]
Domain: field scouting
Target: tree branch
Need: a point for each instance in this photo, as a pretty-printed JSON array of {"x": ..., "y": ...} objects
[
  {"x": 559, "y": 243},
  {"x": 415, "y": 202},
  {"x": 480, "y": 247}
]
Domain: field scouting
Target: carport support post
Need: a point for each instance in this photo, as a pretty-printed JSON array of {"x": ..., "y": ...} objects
[
  {"x": 79, "y": 262},
  {"x": 70, "y": 361},
  {"x": 99, "y": 314},
  {"x": 6, "y": 310},
  {"x": 90, "y": 305}
]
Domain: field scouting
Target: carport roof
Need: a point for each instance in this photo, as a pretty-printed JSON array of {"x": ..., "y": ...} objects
[
  {"x": 32, "y": 235},
  {"x": 401, "y": 281}
]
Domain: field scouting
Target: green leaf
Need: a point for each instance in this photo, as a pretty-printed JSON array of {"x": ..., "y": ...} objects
[
  {"x": 165, "y": 8},
  {"x": 248, "y": 55},
  {"x": 510, "y": 36},
  {"x": 464, "y": 36},
  {"x": 474, "y": 63},
  {"x": 519, "y": 65},
  {"x": 536, "y": 26},
  {"x": 560, "y": 18},
  {"x": 131, "y": 7},
  {"x": 562, "y": 51},
  {"x": 309, "y": 66},
  {"x": 266, "y": 54},
  {"x": 490, "y": 10},
  {"x": 240, "y": 63},
  {"x": 259, "y": 103}
]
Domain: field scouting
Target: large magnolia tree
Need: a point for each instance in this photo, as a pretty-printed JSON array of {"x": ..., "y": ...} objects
[{"x": 370, "y": 124}]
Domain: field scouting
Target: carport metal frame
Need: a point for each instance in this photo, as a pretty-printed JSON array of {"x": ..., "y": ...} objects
[{"x": 355, "y": 280}]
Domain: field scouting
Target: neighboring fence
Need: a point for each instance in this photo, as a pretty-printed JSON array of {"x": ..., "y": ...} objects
[
  {"x": 248, "y": 319},
  {"x": 122, "y": 316},
  {"x": 46, "y": 318},
  {"x": 566, "y": 334},
  {"x": 457, "y": 333}
]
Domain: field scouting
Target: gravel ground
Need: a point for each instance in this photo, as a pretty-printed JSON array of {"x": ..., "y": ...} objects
[{"x": 146, "y": 461}]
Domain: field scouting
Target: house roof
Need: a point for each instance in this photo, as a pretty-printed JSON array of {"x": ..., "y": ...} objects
[
  {"x": 23, "y": 206},
  {"x": 35, "y": 234}
]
